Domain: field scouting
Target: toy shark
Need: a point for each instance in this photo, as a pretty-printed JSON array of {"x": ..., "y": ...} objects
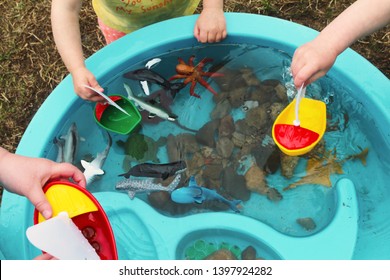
[
  {"x": 134, "y": 186},
  {"x": 94, "y": 168},
  {"x": 68, "y": 145},
  {"x": 195, "y": 193},
  {"x": 153, "y": 109},
  {"x": 156, "y": 170}
]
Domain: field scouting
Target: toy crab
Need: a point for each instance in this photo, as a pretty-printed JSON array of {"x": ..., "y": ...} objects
[{"x": 194, "y": 74}]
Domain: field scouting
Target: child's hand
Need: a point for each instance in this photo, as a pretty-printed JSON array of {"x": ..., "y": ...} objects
[
  {"x": 210, "y": 27},
  {"x": 311, "y": 61},
  {"x": 82, "y": 76},
  {"x": 26, "y": 176}
]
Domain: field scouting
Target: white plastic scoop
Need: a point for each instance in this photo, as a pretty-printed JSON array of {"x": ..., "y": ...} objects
[
  {"x": 61, "y": 238},
  {"x": 108, "y": 99}
]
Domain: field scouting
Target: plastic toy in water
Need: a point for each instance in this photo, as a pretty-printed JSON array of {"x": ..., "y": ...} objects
[
  {"x": 85, "y": 212},
  {"x": 156, "y": 170},
  {"x": 194, "y": 74},
  {"x": 155, "y": 110},
  {"x": 134, "y": 186},
  {"x": 148, "y": 65},
  {"x": 193, "y": 193},
  {"x": 114, "y": 120},
  {"x": 297, "y": 132},
  {"x": 146, "y": 75}
]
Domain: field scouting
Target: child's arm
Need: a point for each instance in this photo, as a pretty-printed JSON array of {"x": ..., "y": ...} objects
[
  {"x": 211, "y": 25},
  {"x": 314, "y": 59},
  {"x": 66, "y": 31},
  {"x": 26, "y": 176}
]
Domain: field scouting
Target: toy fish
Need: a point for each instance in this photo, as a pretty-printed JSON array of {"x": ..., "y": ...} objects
[
  {"x": 134, "y": 186},
  {"x": 195, "y": 193},
  {"x": 94, "y": 168},
  {"x": 154, "y": 110},
  {"x": 156, "y": 170}
]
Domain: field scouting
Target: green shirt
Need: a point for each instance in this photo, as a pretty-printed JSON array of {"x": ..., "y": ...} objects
[{"x": 130, "y": 15}]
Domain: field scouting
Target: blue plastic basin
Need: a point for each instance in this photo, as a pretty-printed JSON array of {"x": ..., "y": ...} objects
[{"x": 337, "y": 241}]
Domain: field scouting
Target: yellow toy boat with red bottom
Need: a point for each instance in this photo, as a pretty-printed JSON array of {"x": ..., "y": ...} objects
[
  {"x": 85, "y": 212},
  {"x": 295, "y": 135}
]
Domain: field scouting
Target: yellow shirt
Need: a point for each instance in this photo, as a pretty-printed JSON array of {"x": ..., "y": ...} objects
[{"x": 130, "y": 15}]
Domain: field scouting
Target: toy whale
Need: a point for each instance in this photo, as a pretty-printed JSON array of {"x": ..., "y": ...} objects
[
  {"x": 85, "y": 212},
  {"x": 156, "y": 170},
  {"x": 194, "y": 193},
  {"x": 147, "y": 75}
]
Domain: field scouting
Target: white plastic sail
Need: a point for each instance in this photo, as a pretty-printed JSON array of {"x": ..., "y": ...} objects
[
  {"x": 108, "y": 99},
  {"x": 300, "y": 94},
  {"x": 61, "y": 238}
]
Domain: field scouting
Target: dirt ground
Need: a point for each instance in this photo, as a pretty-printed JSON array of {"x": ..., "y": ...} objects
[{"x": 30, "y": 67}]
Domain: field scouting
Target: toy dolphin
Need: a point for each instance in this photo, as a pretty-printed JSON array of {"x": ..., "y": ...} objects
[
  {"x": 156, "y": 170},
  {"x": 194, "y": 193}
]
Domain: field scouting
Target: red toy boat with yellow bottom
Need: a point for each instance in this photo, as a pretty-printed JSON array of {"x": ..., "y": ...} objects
[
  {"x": 295, "y": 135},
  {"x": 85, "y": 212}
]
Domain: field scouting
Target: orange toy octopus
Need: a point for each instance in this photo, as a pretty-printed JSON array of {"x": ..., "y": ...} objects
[{"x": 194, "y": 74}]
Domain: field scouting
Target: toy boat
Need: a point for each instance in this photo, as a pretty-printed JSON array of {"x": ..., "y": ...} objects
[
  {"x": 295, "y": 139},
  {"x": 85, "y": 212},
  {"x": 114, "y": 120}
]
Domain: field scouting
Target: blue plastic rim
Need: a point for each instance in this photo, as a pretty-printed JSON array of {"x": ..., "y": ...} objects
[{"x": 367, "y": 84}]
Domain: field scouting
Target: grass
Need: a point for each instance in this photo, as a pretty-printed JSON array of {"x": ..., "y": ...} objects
[{"x": 30, "y": 66}]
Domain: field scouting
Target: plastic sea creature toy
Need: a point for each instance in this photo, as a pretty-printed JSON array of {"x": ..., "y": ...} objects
[
  {"x": 153, "y": 109},
  {"x": 134, "y": 186},
  {"x": 68, "y": 145},
  {"x": 194, "y": 74},
  {"x": 94, "y": 168},
  {"x": 145, "y": 75},
  {"x": 156, "y": 170},
  {"x": 85, "y": 212},
  {"x": 195, "y": 193},
  {"x": 320, "y": 169},
  {"x": 140, "y": 148},
  {"x": 296, "y": 131},
  {"x": 148, "y": 65}
]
